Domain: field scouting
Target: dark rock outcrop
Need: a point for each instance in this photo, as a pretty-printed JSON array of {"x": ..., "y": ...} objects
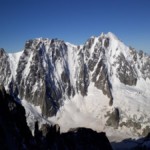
[
  {"x": 113, "y": 118},
  {"x": 101, "y": 80},
  {"x": 14, "y": 132},
  {"x": 76, "y": 139},
  {"x": 133, "y": 144},
  {"x": 126, "y": 72},
  {"x": 134, "y": 125}
]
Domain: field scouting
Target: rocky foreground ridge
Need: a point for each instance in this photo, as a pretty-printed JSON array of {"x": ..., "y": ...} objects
[{"x": 15, "y": 134}]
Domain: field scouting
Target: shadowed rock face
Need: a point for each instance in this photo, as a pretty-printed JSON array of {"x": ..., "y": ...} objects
[
  {"x": 76, "y": 139},
  {"x": 100, "y": 78},
  {"x": 14, "y": 132},
  {"x": 126, "y": 71},
  {"x": 113, "y": 118},
  {"x": 98, "y": 66},
  {"x": 5, "y": 71},
  {"x": 83, "y": 83}
]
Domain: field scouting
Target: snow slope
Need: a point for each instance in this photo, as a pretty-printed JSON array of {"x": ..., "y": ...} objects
[{"x": 14, "y": 59}]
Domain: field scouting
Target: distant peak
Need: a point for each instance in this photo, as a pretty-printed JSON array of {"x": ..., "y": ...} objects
[
  {"x": 111, "y": 35},
  {"x": 92, "y": 37},
  {"x": 102, "y": 34},
  {"x": 40, "y": 38},
  {"x": 2, "y": 52}
]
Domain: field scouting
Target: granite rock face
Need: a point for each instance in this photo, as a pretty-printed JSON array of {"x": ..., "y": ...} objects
[
  {"x": 127, "y": 73},
  {"x": 113, "y": 118},
  {"x": 76, "y": 139}
]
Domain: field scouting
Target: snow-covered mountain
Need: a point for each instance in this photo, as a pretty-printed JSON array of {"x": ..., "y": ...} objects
[{"x": 103, "y": 84}]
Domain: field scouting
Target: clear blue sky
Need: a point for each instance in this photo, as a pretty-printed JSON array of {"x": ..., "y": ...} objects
[{"x": 74, "y": 21}]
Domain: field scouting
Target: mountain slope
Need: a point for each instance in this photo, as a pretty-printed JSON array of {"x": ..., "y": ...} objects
[{"x": 102, "y": 84}]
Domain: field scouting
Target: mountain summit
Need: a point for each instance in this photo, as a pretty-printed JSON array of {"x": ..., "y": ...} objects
[{"x": 102, "y": 84}]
